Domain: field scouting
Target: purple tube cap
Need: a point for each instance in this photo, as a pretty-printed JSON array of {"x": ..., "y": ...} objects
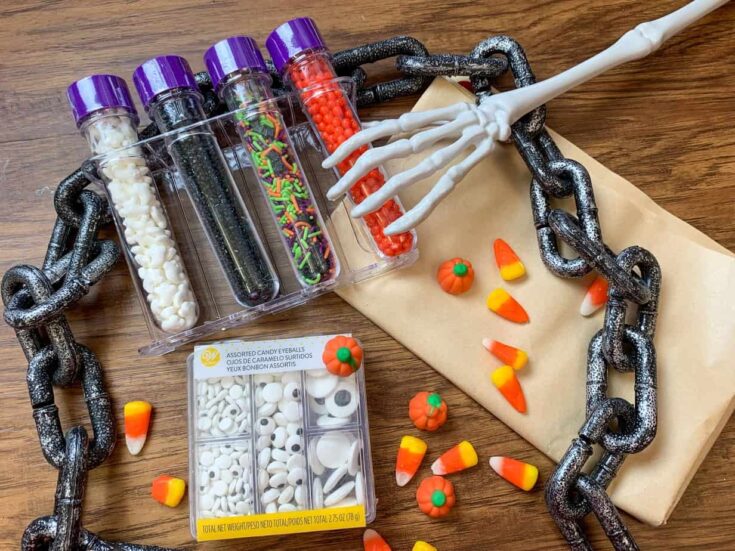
[
  {"x": 291, "y": 38},
  {"x": 97, "y": 92},
  {"x": 160, "y": 74},
  {"x": 233, "y": 54}
]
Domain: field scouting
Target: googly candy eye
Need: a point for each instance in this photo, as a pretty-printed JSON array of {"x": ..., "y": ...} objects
[
  {"x": 317, "y": 405},
  {"x": 295, "y": 462},
  {"x": 291, "y": 391},
  {"x": 278, "y": 480},
  {"x": 273, "y": 392},
  {"x": 296, "y": 477},
  {"x": 280, "y": 455},
  {"x": 294, "y": 444},
  {"x": 266, "y": 426},
  {"x": 343, "y": 401},
  {"x": 292, "y": 411},
  {"x": 333, "y": 450},
  {"x": 320, "y": 387},
  {"x": 278, "y": 438}
]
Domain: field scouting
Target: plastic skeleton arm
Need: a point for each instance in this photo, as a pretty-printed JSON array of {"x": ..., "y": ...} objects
[{"x": 481, "y": 126}]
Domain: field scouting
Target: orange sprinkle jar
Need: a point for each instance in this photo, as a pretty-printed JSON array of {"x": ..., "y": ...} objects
[{"x": 301, "y": 56}]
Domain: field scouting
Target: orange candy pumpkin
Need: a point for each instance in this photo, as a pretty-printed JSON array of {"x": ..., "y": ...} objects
[
  {"x": 342, "y": 356},
  {"x": 428, "y": 411},
  {"x": 435, "y": 496},
  {"x": 455, "y": 276}
]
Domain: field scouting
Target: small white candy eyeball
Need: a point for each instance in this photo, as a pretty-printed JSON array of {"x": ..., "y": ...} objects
[
  {"x": 266, "y": 426},
  {"x": 278, "y": 438},
  {"x": 291, "y": 391},
  {"x": 296, "y": 477},
  {"x": 278, "y": 480},
  {"x": 294, "y": 444},
  {"x": 273, "y": 392}
]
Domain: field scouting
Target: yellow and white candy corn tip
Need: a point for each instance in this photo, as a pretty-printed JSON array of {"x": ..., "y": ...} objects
[{"x": 423, "y": 546}]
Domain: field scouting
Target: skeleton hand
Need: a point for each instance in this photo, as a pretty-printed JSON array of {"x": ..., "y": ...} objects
[
  {"x": 478, "y": 127},
  {"x": 471, "y": 126}
]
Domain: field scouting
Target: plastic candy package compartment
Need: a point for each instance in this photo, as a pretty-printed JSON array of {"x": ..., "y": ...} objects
[
  {"x": 277, "y": 444},
  {"x": 196, "y": 255}
]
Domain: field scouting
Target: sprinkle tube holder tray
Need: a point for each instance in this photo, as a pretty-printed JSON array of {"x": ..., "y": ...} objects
[
  {"x": 277, "y": 444},
  {"x": 250, "y": 234}
]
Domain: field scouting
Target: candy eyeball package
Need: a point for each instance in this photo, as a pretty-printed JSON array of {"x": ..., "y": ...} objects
[{"x": 278, "y": 437}]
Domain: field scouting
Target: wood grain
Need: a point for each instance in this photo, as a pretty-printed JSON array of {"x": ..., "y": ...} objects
[{"x": 664, "y": 123}]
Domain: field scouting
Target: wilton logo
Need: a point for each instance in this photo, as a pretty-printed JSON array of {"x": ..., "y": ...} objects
[{"x": 210, "y": 357}]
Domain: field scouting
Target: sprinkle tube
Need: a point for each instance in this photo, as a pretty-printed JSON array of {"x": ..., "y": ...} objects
[
  {"x": 300, "y": 54},
  {"x": 168, "y": 90},
  {"x": 241, "y": 79}
]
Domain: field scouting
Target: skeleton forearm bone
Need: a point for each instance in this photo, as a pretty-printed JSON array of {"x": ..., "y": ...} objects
[{"x": 480, "y": 126}]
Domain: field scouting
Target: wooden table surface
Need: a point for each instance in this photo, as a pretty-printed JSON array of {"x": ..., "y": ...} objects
[{"x": 665, "y": 123}]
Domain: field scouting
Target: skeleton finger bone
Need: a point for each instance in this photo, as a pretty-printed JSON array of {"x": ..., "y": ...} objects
[
  {"x": 400, "y": 148},
  {"x": 437, "y": 160},
  {"x": 442, "y": 188},
  {"x": 405, "y": 123}
]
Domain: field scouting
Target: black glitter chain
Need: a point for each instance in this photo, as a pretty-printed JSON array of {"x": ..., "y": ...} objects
[
  {"x": 633, "y": 276},
  {"x": 35, "y": 300}
]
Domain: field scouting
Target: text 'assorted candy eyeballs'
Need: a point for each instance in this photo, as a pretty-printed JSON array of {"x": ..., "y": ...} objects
[
  {"x": 435, "y": 496},
  {"x": 455, "y": 276},
  {"x": 342, "y": 356},
  {"x": 223, "y": 407},
  {"x": 225, "y": 480},
  {"x": 428, "y": 411},
  {"x": 335, "y": 459}
]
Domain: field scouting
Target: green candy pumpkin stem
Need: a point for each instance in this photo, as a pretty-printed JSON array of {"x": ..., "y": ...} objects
[
  {"x": 438, "y": 498},
  {"x": 460, "y": 269},
  {"x": 435, "y": 401},
  {"x": 345, "y": 356}
]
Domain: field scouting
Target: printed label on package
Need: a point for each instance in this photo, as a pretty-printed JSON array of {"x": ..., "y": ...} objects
[
  {"x": 229, "y": 358},
  {"x": 251, "y": 526}
]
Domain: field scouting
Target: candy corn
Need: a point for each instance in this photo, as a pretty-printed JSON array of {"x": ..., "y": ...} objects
[
  {"x": 410, "y": 455},
  {"x": 595, "y": 298},
  {"x": 372, "y": 541},
  {"x": 504, "y": 305},
  {"x": 518, "y": 473},
  {"x": 423, "y": 546},
  {"x": 509, "y": 264},
  {"x": 504, "y": 378},
  {"x": 460, "y": 457},
  {"x": 168, "y": 490},
  {"x": 514, "y": 357},
  {"x": 137, "y": 417}
]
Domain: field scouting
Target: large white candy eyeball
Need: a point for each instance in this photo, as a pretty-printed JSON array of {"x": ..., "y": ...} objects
[
  {"x": 343, "y": 401},
  {"x": 294, "y": 444}
]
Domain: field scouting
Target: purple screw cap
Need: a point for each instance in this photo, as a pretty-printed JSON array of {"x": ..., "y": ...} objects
[
  {"x": 292, "y": 38},
  {"x": 160, "y": 74},
  {"x": 233, "y": 54},
  {"x": 97, "y": 92}
]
